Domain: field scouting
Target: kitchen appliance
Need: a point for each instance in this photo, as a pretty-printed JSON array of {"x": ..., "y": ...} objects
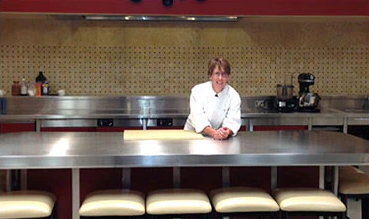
[
  {"x": 286, "y": 102},
  {"x": 307, "y": 101}
]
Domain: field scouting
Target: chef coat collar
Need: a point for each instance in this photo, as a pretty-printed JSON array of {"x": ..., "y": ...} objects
[{"x": 222, "y": 93}]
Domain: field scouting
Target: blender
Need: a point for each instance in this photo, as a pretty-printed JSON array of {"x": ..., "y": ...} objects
[
  {"x": 307, "y": 101},
  {"x": 286, "y": 102}
]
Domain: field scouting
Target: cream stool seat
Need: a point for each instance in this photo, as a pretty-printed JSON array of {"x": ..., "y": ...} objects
[
  {"x": 113, "y": 203},
  {"x": 243, "y": 201},
  {"x": 26, "y": 204},
  {"x": 177, "y": 202},
  {"x": 354, "y": 184},
  {"x": 353, "y": 181},
  {"x": 309, "y": 201}
]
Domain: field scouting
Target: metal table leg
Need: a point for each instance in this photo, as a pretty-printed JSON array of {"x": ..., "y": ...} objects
[
  {"x": 75, "y": 193},
  {"x": 274, "y": 177},
  {"x": 126, "y": 178},
  {"x": 176, "y": 177},
  {"x": 23, "y": 178},
  {"x": 321, "y": 177},
  {"x": 225, "y": 177},
  {"x": 335, "y": 180}
]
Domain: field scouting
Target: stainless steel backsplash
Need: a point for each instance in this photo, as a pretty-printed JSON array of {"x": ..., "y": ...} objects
[{"x": 140, "y": 104}]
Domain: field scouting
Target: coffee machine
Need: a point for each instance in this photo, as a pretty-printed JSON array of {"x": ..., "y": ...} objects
[{"x": 307, "y": 101}]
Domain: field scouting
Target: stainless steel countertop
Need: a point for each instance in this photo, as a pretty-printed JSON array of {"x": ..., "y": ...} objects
[{"x": 29, "y": 150}]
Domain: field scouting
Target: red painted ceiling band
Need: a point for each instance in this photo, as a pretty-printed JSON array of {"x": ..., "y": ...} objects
[{"x": 191, "y": 7}]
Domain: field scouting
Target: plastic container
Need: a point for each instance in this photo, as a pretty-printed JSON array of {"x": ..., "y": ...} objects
[
  {"x": 45, "y": 88},
  {"x": 38, "y": 89},
  {"x": 31, "y": 89}
]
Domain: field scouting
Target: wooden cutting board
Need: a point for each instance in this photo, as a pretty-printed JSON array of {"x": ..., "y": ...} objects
[{"x": 161, "y": 135}]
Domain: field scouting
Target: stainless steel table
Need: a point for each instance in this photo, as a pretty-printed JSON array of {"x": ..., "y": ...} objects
[{"x": 32, "y": 150}]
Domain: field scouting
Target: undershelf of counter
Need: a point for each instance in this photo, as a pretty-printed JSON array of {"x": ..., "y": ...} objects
[{"x": 134, "y": 112}]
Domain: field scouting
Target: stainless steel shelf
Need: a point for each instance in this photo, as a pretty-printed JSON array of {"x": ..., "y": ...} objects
[{"x": 140, "y": 111}]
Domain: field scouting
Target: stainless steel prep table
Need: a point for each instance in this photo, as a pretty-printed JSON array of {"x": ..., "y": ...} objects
[
  {"x": 95, "y": 149},
  {"x": 91, "y": 150}
]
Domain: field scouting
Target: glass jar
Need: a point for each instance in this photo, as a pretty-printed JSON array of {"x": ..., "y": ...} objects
[{"x": 16, "y": 88}]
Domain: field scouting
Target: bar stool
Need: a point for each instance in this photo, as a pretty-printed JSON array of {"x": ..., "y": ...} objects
[
  {"x": 243, "y": 201},
  {"x": 354, "y": 184},
  {"x": 309, "y": 202},
  {"x": 178, "y": 202},
  {"x": 27, "y": 204},
  {"x": 113, "y": 204}
]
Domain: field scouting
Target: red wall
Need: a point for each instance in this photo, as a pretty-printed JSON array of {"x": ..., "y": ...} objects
[{"x": 192, "y": 7}]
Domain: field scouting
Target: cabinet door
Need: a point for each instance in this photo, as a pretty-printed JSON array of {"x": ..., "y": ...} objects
[
  {"x": 115, "y": 129},
  {"x": 17, "y": 127},
  {"x": 67, "y": 129},
  {"x": 277, "y": 123},
  {"x": 280, "y": 128},
  {"x": 361, "y": 131}
]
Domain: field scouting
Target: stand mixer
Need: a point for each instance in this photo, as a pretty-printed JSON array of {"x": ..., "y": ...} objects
[{"x": 307, "y": 101}]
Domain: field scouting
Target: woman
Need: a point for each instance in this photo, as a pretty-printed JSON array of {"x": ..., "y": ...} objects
[{"x": 215, "y": 106}]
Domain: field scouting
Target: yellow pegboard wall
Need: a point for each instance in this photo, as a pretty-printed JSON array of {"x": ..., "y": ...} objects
[{"x": 174, "y": 70}]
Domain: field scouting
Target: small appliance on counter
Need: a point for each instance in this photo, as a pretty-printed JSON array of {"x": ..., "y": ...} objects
[
  {"x": 307, "y": 101},
  {"x": 285, "y": 102}
]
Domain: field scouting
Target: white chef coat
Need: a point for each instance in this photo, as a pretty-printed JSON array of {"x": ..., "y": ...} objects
[{"x": 208, "y": 108}]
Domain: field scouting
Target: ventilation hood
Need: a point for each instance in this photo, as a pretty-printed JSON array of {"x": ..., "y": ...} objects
[{"x": 163, "y": 18}]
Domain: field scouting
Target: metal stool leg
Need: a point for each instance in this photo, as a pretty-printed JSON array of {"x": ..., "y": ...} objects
[
  {"x": 344, "y": 201},
  {"x": 364, "y": 208},
  {"x": 344, "y": 215},
  {"x": 285, "y": 215}
]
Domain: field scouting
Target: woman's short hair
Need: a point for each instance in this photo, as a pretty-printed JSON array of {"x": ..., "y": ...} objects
[{"x": 222, "y": 63}]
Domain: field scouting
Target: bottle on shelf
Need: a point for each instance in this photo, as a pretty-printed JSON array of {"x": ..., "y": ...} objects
[
  {"x": 41, "y": 77},
  {"x": 42, "y": 85},
  {"x": 38, "y": 89},
  {"x": 16, "y": 88},
  {"x": 45, "y": 88},
  {"x": 24, "y": 87}
]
